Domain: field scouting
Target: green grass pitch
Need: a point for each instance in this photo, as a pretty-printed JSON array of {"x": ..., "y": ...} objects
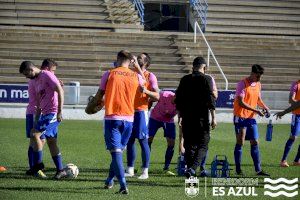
[{"x": 82, "y": 143}]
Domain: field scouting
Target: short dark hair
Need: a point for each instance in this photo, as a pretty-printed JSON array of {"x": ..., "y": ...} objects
[
  {"x": 25, "y": 65},
  {"x": 48, "y": 62},
  {"x": 198, "y": 61},
  {"x": 123, "y": 56},
  {"x": 257, "y": 69},
  {"x": 147, "y": 59}
]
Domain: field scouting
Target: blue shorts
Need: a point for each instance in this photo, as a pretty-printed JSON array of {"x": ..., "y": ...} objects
[
  {"x": 140, "y": 125},
  {"x": 116, "y": 133},
  {"x": 249, "y": 124},
  {"x": 48, "y": 125},
  {"x": 30, "y": 124},
  {"x": 295, "y": 126},
  {"x": 169, "y": 128}
]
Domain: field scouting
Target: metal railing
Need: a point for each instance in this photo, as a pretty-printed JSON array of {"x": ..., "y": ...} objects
[
  {"x": 209, "y": 51},
  {"x": 140, "y": 8},
  {"x": 200, "y": 7}
]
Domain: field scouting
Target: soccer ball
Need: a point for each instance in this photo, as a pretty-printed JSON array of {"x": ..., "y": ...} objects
[{"x": 72, "y": 170}]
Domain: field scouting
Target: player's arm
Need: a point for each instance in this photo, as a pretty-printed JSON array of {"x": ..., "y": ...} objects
[
  {"x": 60, "y": 95},
  {"x": 181, "y": 140},
  {"x": 214, "y": 87},
  {"x": 248, "y": 107},
  {"x": 37, "y": 115},
  {"x": 292, "y": 96},
  {"x": 215, "y": 93},
  {"x": 213, "y": 119},
  {"x": 95, "y": 104},
  {"x": 294, "y": 106},
  {"x": 154, "y": 96},
  {"x": 137, "y": 67},
  {"x": 211, "y": 100},
  {"x": 263, "y": 105}
]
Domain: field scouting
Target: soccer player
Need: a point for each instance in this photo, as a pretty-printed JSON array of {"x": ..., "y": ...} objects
[
  {"x": 247, "y": 98},
  {"x": 50, "y": 102},
  {"x": 295, "y": 126},
  {"x": 119, "y": 85},
  {"x": 162, "y": 116},
  {"x": 194, "y": 100},
  {"x": 140, "y": 122},
  {"x": 30, "y": 123},
  {"x": 49, "y": 65}
]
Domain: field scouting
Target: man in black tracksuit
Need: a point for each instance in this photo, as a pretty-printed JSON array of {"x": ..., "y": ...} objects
[{"x": 194, "y": 100}]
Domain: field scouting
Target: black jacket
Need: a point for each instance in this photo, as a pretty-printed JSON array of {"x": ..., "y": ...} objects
[{"x": 194, "y": 97}]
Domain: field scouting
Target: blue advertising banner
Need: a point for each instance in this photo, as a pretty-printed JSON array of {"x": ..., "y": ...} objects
[
  {"x": 225, "y": 99},
  {"x": 14, "y": 93}
]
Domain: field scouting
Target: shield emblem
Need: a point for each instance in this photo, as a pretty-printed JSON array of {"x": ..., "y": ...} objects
[{"x": 192, "y": 187}]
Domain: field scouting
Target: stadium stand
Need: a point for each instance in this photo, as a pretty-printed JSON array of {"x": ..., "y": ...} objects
[
  {"x": 83, "y": 37},
  {"x": 254, "y": 17},
  {"x": 100, "y": 14}
]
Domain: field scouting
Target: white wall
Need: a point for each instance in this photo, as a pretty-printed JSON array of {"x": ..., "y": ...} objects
[{"x": 77, "y": 113}]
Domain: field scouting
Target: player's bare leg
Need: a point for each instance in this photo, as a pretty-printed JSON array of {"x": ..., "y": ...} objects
[{"x": 57, "y": 158}]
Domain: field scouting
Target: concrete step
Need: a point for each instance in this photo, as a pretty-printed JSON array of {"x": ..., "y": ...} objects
[
  {"x": 235, "y": 40},
  {"x": 7, "y": 6},
  {"x": 62, "y": 7},
  {"x": 249, "y": 62},
  {"x": 101, "y": 17},
  {"x": 76, "y": 57},
  {"x": 290, "y": 55},
  {"x": 253, "y": 9},
  {"x": 65, "y": 2},
  {"x": 253, "y": 23},
  {"x": 7, "y": 14},
  {"x": 63, "y": 15},
  {"x": 251, "y": 30},
  {"x": 15, "y": 63},
  {"x": 70, "y": 36},
  {"x": 103, "y": 66},
  {"x": 93, "y": 74},
  {"x": 89, "y": 48},
  {"x": 249, "y": 3},
  {"x": 76, "y": 23},
  {"x": 252, "y": 16},
  {"x": 9, "y": 21},
  {"x": 285, "y": 48},
  {"x": 246, "y": 70}
]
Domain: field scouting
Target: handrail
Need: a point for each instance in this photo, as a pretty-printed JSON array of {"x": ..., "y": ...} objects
[
  {"x": 200, "y": 6},
  {"x": 210, "y": 52},
  {"x": 140, "y": 7}
]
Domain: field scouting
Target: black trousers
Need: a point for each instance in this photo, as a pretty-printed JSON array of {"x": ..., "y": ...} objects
[{"x": 196, "y": 136}]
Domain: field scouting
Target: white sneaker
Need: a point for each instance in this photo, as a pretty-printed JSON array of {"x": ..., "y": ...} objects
[
  {"x": 129, "y": 172},
  {"x": 144, "y": 174}
]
